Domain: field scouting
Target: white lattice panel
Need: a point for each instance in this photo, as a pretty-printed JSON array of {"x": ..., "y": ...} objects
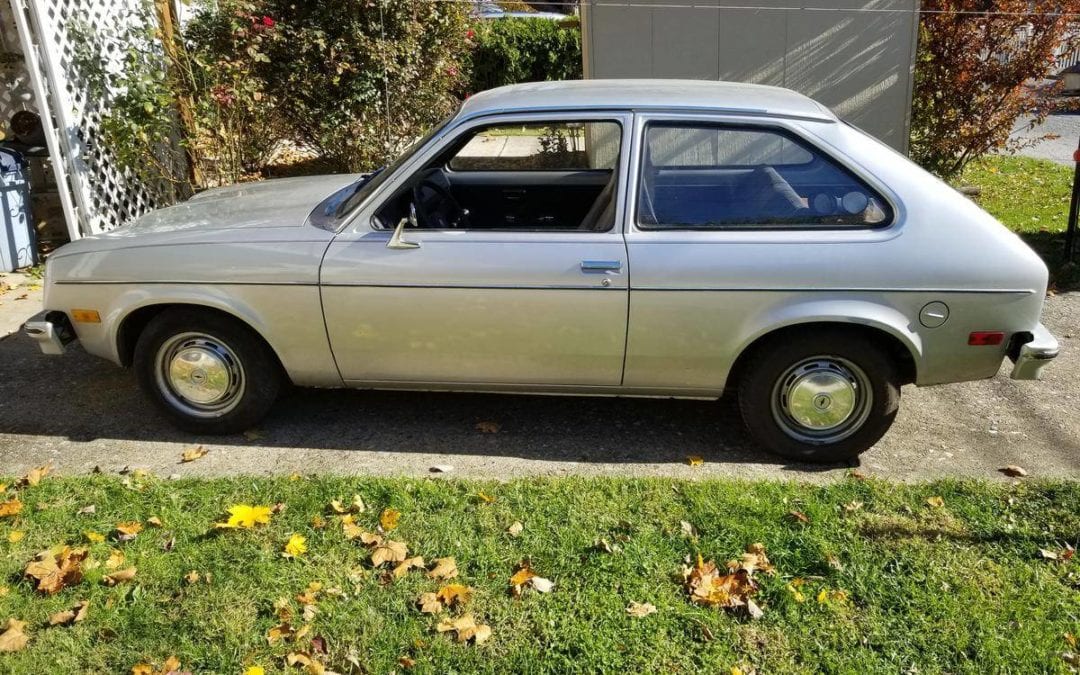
[
  {"x": 16, "y": 90},
  {"x": 104, "y": 194}
]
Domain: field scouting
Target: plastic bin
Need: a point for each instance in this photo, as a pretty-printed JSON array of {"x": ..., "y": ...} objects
[{"x": 18, "y": 241}]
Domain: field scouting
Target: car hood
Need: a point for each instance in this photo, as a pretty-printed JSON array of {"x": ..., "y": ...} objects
[
  {"x": 284, "y": 202},
  {"x": 237, "y": 212}
]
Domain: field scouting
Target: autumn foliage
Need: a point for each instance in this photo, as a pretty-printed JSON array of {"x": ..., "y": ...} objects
[{"x": 977, "y": 62}]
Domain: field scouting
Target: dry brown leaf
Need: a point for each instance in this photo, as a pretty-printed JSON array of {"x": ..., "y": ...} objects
[
  {"x": 279, "y": 633},
  {"x": 73, "y": 615},
  {"x": 515, "y": 529},
  {"x": 307, "y": 661},
  {"x": 521, "y": 577},
  {"x": 688, "y": 529},
  {"x": 119, "y": 577},
  {"x": 388, "y": 551},
  {"x": 852, "y": 507},
  {"x": 192, "y": 454},
  {"x": 445, "y": 568},
  {"x": 154, "y": 521},
  {"x": 466, "y": 628},
  {"x": 192, "y": 577},
  {"x": 429, "y": 603},
  {"x": 311, "y": 594},
  {"x": 1013, "y": 471},
  {"x": 639, "y": 610},
  {"x": 55, "y": 571},
  {"x": 453, "y": 595},
  {"x": 13, "y": 638},
  {"x": 753, "y": 560},
  {"x": 351, "y": 530},
  {"x": 799, "y": 516},
  {"x": 707, "y": 586},
  {"x": 10, "y": 508},
  {"x": 87, "y": 510},
  {"x": 402, "y": 568},
  {"x": 388, "y": 519},
  {"x": 355, "y": 506},
  {"x": 34, "y": 476}
]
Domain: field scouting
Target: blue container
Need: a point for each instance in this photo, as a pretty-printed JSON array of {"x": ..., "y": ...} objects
[{"x": 18, "y": 241}]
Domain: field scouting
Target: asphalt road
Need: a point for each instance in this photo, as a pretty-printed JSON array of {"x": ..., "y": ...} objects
[{"x": 81, "y": 413}]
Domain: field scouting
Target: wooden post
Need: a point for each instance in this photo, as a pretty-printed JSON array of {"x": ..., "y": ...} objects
[{"x": 167, "y": 19}]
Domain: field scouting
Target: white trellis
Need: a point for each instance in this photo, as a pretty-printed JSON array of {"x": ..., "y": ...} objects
[{"x": 96, "y": 193}]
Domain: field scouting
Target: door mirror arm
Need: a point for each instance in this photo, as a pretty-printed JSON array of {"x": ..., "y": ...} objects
[{"x": 396, "y": 240}]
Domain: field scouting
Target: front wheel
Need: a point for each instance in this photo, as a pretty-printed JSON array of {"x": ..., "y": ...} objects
[
  {"x": 209, "y": 373},
  {"x": 819, "y": 397}
]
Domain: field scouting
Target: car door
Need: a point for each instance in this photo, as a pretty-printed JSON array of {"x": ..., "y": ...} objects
[{"x": 493, "y": 304}]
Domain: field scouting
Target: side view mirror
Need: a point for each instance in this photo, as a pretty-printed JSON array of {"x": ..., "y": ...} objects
[{"x": 396, "y": 240}]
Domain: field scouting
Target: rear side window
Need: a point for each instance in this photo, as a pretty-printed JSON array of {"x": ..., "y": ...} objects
[{"x": 700, "y": 176}]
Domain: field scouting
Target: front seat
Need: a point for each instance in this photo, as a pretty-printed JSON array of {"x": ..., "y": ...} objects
[{"x": 601, "y": 215}]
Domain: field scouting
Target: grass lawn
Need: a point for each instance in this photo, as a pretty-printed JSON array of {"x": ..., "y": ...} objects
[
  {"x": 1031, "y": 197},
  {"x": 954, "y": 586}
]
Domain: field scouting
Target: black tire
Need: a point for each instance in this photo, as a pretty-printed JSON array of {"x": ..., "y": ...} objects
[
  {"x": 828, "y": 366},
  {"x": 241, "y": 365}
]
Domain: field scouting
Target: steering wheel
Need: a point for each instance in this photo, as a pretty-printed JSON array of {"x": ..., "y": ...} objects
[{"x": 441, "y": 212}]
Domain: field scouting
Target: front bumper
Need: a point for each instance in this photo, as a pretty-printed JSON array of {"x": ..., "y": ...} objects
[
  {"x": 1031, "y": 356},
  {"x": 51, "y": 330}
]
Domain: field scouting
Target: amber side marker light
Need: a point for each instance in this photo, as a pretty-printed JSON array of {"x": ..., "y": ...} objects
[
  {"x": 85, "y": 316},
  {"x": 986, "y": 338}
]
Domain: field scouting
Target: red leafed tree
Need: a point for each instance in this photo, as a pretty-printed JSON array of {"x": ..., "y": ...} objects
[{"x": 976, "y": 73}]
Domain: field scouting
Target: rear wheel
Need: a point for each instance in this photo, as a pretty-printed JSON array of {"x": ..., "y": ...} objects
[
  {"x": 824, "y": 396},
  {"x": 209, "y": 373}
]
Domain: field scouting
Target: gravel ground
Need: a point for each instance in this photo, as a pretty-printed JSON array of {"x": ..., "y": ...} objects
[{"x": 83, "y": 413}]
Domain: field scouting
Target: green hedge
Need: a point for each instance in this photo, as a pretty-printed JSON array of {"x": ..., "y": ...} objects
[{"x": 507, "y": 51}]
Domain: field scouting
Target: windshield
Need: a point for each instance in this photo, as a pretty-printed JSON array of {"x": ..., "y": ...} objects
[{"x": 367, "y": 185}]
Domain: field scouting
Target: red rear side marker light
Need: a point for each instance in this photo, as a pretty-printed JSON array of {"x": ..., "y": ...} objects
[{"x": 986, "y": 338}]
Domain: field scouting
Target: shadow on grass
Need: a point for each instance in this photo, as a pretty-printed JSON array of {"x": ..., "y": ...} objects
[{"x": 1064, "y": 275}]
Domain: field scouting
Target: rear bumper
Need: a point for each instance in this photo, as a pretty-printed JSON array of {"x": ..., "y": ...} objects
[
  {"x": 51, "y": 330},
  {"x": 1030, "y": 357}
]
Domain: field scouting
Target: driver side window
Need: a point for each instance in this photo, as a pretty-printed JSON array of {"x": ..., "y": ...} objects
[{"x": 534, "y": 176}]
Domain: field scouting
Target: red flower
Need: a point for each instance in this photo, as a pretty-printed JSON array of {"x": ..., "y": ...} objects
[
  {"x": 268, "y": 22},
  {"x": 470, "y": 34}
]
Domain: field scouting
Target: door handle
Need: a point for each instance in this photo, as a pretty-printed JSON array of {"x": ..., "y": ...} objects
[{"x": 601, "y": 265}]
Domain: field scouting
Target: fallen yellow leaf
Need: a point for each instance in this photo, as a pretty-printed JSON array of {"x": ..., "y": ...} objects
[
  {"x": 388, "y": 551},
  {"x": 935, "y": 502},
  {"x": 94, "y": 537},
  {"x": 192, "y": 454},
  {"x": 640, "y": 610},
  {"x": 487, "y": 499},
  {"x": 10, "y": 508},
  {"x": 445, "y": 568},
  {"x": 405, "y": 565},
  {"x": 15, "y": 536},
  {"x": 55, "y": 571},
  {"x": 515, "y": 529},
  {"x": 13, "y": 638},
  {"x": 695, "y": 460},
  {"x": 120, "y": 577},
  {"x": 389, "y": 518},
  {"x": 128, "y": 531},
  {"x": 454, "y": 594},
  {"x": 254, "y": 670},
  {"x": 116, "y": 559},
  {"x": 429, "y": 603},
  {"x": 296, "y": 546},
  {"x": 246, "y": 516},
  {"x": 154, "y": 521},
  {"x": 34, "y": 476}
]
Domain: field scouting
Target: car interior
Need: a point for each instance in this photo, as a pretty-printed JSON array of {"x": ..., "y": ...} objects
[
  {"x": 715, "y": 177},
  {"x": 563, "y": 176},
  {"x": 535, "y": 177}
]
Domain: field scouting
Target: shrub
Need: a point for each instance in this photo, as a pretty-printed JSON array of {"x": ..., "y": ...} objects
[
  {"x": 971, "y": 72},
  {"x": 514, "y": 50}
]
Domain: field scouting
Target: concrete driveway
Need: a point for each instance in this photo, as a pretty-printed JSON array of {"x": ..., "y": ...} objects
[{"x": 81, "y": 413}]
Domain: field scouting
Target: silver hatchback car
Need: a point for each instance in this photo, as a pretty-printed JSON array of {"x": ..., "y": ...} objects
[{"x": 624, "y": 238}]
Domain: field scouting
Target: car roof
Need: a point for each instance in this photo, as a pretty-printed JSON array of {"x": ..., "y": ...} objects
[{"x": 754, "y": 99}]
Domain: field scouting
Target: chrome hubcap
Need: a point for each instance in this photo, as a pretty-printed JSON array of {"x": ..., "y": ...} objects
[
  {"x": 199, "y": 374},
  {"x": 823, "y": 399}
]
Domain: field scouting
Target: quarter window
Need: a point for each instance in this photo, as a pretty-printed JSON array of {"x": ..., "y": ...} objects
[{"x": 725, "y": 177}]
